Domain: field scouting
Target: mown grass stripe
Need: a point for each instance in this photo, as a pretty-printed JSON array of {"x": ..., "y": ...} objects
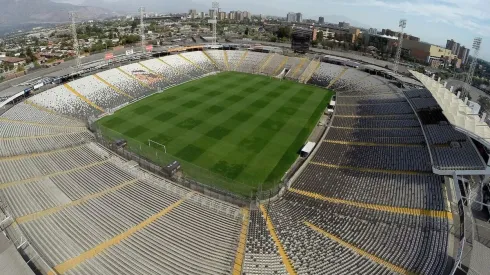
[{"x": 245, "y": 129}]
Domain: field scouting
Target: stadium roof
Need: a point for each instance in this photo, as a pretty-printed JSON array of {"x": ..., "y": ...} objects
[
  {"x": 401, "y": 78},
  {"x": 480, "y": 259},
  {"x": 385, "y": 36},
  {"x": 337, "y": 58},
  {"x": 10, "y": 260}
]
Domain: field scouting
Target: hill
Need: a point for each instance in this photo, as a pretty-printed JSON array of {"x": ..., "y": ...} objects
[
  {"x": 14, "y": 12},
  {"x": 130, "y": 6}
]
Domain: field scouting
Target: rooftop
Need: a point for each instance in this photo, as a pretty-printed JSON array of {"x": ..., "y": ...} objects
[{"x": 12, "y": 59}]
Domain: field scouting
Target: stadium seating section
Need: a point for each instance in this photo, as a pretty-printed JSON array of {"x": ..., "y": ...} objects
[{"x": 366, "y": 203}]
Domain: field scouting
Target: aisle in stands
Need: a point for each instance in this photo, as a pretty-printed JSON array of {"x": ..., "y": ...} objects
[{"x": 367, "y": 203}]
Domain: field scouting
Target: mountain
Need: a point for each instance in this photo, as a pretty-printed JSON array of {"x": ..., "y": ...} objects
[
  {"x": 157, "y": 6},
  {"x": 14, "y": 12}
]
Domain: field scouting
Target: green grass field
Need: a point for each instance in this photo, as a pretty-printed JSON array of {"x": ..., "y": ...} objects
[{"x": 245, "y": 128}]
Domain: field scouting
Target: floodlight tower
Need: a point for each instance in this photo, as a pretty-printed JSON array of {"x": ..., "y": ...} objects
[
  {"x": 76, "y": 47},
  {"x": 214, "y": 21},
  {"x": 474, "y": 61},
  {"x": 402, "y": 25},
  {"x": 142, "y": 29}
]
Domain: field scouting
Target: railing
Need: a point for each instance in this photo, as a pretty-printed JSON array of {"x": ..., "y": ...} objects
[
  {"x": 28, "y": 252},
  {"x": 6, "y": 104},
  {"x": 152, "y": 157}
]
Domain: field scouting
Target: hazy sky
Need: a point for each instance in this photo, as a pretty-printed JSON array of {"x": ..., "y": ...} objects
[{"x": 433, "y": 21}]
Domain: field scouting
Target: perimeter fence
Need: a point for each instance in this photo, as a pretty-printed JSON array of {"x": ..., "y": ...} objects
[{"x": 153, "y": 157}]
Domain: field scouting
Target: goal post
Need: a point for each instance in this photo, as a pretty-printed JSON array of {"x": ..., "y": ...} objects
[{"x": 157, "y": 143}]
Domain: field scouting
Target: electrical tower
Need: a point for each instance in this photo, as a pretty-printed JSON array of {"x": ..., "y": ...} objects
[
  {"x": 214, "y": 21},
  {"x": 402, "y": 25},
  {"x": 142, "y": 30},
  {"x": 76, "y": 47},
  {"x": 474, "y": 62}
]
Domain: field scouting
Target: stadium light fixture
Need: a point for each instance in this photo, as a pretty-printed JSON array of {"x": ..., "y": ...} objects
[
  {"x": 469, "y": 78},
  {"x": 76, "y": 47},
  {"x": 214, "y": 21},
  {"x": 142, "y": 29},
  {"x": 402, "y": 24},
  {"x": 477, "y": 43}
]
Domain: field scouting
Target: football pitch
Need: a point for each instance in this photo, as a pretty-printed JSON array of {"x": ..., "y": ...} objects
[{"x": 246, "y": 129}]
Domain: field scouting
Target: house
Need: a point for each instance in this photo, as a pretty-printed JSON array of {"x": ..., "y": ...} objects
[{"x": 15, "y": 61}]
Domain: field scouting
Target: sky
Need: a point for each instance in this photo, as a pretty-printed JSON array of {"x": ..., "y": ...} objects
[{"x": 434, "y": 21}]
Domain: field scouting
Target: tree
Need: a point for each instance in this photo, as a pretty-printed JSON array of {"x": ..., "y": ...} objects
[
  {"x": 134, "y": 24},
  {"x": 484, "y": 103},
  {"x": 420, "y": 70},
  {"x": 246, "y": 31},
  {"x": 109, "y": 43},
  {"x": 20, "y": 68},
  {"x": 319, "y": 36},
  {"x": 284, "y": 32},
  {"x": 153, "y": 26},
  {"x": 36, "y": 41},
  {"x": 30, "y": 55}
]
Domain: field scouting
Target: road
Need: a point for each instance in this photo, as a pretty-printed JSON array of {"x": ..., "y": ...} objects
[
  {"x": 6, "y": 85},
  {"x": 46, "y": 71},
  {"x": 474, "y": 92}
]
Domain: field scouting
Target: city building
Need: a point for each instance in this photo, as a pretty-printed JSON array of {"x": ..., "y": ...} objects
[
  {"x": 291, "y": 17},
  {"x": 239, "y": 16},
  {"x": 431, "y": 54},
  {"x": 389, "y": 32},
  {"x": 14, "y": 61},
  {"x": 301, "y": 39},
  {"x": 247, "y": 15},
  {"x": 406, "y": 36},
  {"x": 192, "y": 13},
  {"x": 344, "y": 25},
  {"x": 456, "y": 63},
  {"x": 231, "y": 15},
  {"x": 299, "y": 17},
  {"x": 410, "y": 37},
  {"x": 202, "y": 15},
  {"x": 222, "y": 15},
  {"x": 321, "y": 20},
  {"x": 372, "y": 31},
  {"x": 453, "y": 46},
  {"x": 464, "y": 54},
  {"x": 342, "y": 34},
  {"x": 383, "y": 43},
  {"x": 212, "y": 13}
]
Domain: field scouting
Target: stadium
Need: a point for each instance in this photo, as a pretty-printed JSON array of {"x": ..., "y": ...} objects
[{"x": 188, "y": 164}]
